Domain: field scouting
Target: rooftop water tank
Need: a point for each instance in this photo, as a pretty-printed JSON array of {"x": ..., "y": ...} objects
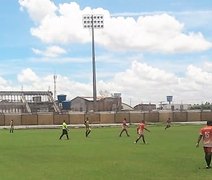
[
  {"x": 66, "y": 105},
  {"x": 61, "y": 98}
]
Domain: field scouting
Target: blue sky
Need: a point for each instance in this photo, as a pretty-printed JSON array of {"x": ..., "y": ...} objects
[{"x": 147, "y": 50}]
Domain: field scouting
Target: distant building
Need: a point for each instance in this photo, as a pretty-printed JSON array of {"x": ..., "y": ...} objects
[
  {"x": 126, "y": 107},
  {"x": 109, "y": 104},
  {"x": 176, "y": 107},
  {"x": 84, "y": 104},
  {"x": 145, "y": 107},
  {"x": 80, "y": 104},
  {"x": 27, "y": 102}
]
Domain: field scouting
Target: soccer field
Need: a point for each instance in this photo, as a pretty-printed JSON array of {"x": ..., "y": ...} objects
[{"x": 39, "y": 155}]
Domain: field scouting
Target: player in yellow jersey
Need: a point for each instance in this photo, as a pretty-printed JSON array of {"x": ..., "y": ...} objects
[{"x": 64, "y": 130}]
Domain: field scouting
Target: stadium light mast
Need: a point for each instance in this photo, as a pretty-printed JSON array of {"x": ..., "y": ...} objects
[{"x": 93, "y": 21}]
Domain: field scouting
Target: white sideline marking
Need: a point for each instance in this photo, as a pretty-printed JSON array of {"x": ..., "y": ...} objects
[{"x": 92, "y": 125}]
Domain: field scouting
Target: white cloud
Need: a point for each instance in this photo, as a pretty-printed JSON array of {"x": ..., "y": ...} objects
[
  {"x": 31, "y": 81},
  {"x": 64, "y": 28},
  {"x": 4, "y": 84},
  {"x": 198, "y": 75},
  {"x": 139, "y": 83},
  {"x": 155, "y": 33},
  {"x": 207, "y": 66},
  {"x": 27, "y": 76},
  {"x": 143, "y": 83},
  {"x": 38, "y": 9},
  {"x": 52, "y": 51}
]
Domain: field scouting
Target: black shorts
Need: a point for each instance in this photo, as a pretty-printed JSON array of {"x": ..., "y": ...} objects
[{"x": 65, "y": 131}]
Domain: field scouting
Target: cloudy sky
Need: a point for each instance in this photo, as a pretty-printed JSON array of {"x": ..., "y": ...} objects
[{"x": 148, "y": 49}]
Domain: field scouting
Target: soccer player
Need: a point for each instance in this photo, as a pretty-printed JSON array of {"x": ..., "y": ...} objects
[
  {"x": 87, "y": 128},
  {"x": 11, "y": 126},
  {"x": 64, "y": 130},
  {"x": 206, "y": 136},
  {"x": 140, "y": 131},
  {"x": 124, "y": 127},
  {"x": 168, "y": 125}
]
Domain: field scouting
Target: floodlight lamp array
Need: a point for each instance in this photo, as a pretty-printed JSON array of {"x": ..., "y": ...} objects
[{"x": 95, "y": 21}]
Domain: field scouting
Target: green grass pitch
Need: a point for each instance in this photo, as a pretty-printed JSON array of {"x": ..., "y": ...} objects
[{"x": 40, "y": 155}]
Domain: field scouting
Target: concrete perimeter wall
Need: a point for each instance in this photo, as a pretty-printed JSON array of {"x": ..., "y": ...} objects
[
  {"x": 180, "y": 116},
  {"x": 103, "y": 117},
  {"x": 107, "y": 118},
  {"x": 136, "y": 117},
  {"x": 59, "y": 118},
  {"x": 194, "y": 116},
  {"x": 46, "y": 119},
  {"x": 119, "y": 117},
  {"x": 151, "y": 116},
  {"x": 77, "y": 118},
  {"x": 163, "y": 116},
  {"x": 16, "y": 119},
  {"x": 29, "y": 119},
  {"x": 2, "y": 120}
]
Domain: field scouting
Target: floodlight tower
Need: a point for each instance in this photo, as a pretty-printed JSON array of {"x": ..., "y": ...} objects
[{"x": 93, "y": 21}]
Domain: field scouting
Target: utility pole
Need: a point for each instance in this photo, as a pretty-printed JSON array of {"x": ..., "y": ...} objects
[{"x": 55, "y": 78}]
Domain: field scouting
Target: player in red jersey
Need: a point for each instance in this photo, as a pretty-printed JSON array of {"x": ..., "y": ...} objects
[
  {"x": 206, "y": 136},
  {"x": 124, "y": 127},
  {"x": 140, "y": 131}
]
